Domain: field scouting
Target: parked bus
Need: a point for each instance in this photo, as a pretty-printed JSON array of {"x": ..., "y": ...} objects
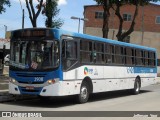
[{"x": 53, "y": 62}]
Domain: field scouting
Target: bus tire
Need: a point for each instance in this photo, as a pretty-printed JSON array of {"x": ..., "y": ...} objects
[
  {"x": 137, "y": 86},
  {"x": 84, "y": 93}
]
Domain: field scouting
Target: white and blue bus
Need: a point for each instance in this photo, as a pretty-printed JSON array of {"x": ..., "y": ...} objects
[{"x": 53, "y": 62}]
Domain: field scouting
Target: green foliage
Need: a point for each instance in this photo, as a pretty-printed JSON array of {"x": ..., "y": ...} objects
[
  {"x": 2, "y": 4},
  {"x": 51, "y": 12}
]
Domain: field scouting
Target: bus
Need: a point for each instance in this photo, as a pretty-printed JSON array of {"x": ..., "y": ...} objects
[{"x": 54, "y": 62}]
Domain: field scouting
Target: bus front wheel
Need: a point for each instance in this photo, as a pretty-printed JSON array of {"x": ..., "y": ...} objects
[{"x": 84, "y": 93}]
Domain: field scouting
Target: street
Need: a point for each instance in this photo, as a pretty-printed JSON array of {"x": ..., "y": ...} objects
[{"x": 147, "y": 100}]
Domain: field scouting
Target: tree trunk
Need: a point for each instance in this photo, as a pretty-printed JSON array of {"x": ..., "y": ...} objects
[
  {"x": 106, "y": 16},
  {"x": 32, "y": 15},
  {"x": 131, "y": 29},
  {"x": 117, "y": 12},
  {"x": 120, "y": 35},
  {"x": 34, "y": 23}
]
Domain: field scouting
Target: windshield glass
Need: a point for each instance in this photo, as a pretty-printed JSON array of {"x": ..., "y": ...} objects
[{"x": 36, "y": 55}]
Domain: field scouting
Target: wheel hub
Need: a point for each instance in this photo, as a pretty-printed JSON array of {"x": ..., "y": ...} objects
[{"x": 84, "y": 92}]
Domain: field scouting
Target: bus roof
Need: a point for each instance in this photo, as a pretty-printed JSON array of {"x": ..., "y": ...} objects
[
  {"x": 94, "y": 38},
  {"x": 90, "y": 37}
]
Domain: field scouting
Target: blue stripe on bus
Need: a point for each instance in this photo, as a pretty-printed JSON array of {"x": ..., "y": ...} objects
[
  {"x": 141, "y": 70},
  {"x": 144, "y": 70}
]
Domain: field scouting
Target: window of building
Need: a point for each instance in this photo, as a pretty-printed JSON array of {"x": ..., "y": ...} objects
[
  {"x": 99, "y": 14},
  {"x": 157, "y": 19},
  {"x": 127, "y": 17}
]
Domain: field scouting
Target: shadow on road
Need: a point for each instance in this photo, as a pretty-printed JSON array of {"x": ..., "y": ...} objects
[{"x": 57, "y": 102}]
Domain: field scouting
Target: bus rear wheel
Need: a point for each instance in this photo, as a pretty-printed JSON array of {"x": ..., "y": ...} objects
[
  {"x": 84, "y": 93},
  {"x": 137, "y": 86}
]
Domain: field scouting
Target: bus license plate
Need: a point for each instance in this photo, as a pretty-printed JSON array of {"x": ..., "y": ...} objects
[{"x": 29, "y": 87}]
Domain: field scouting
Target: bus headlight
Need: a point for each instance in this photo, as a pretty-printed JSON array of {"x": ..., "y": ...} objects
[
  {"x": 12, "y": 80},
  {"x": 53, "y": 81}
]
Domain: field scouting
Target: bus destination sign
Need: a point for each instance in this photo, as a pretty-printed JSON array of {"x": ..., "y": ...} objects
[{"x": 32, "y": 33}]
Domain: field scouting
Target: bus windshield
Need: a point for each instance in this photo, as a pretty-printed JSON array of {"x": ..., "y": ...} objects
[{"x": 34, "y": 55}]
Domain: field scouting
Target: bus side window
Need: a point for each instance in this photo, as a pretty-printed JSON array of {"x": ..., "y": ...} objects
[
  {"x": 86, "y": 53},
  {"x": 71, "y": 49},
  {"x": 69, "y": 53}
]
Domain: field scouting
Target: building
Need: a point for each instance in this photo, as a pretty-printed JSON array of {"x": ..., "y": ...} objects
[{"x": 147, "y": 28}]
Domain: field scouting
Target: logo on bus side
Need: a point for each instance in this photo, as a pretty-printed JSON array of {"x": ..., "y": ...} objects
[{"x": 88, "y": 71}]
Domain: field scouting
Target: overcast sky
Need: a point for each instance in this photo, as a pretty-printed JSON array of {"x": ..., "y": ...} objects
[{"x": 12, "y": 18}]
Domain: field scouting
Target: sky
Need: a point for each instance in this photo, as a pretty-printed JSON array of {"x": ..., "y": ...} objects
[{"x": 12, "y": 18}]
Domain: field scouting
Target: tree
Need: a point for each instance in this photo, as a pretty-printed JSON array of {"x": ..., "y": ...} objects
[
  {"x": 2, "y": 4},
  {"x": 116, "y": 6},
  {"x": 51, "y": 11},
  {"x": 106, "y": 6},
  {"x": 32, "y": 14}
]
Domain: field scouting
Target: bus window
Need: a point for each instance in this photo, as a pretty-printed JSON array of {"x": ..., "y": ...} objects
[
  {"x": 69, "y": 53},
  {"x": 86, "y": 53},
  {"x": 71, "y": 49},
  {"x": 99, "y": 51},
  {"x": 108, "y": 58},
  {"x": 118, "y": 55}
]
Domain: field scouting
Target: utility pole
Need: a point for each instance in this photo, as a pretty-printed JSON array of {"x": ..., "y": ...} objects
[
  {"x": 79, "y": 19},
  {"x": 23, "y": 19},
  {"x": 5, "y": 29},
  {"x": 142, "y": 25},
  {"x": 22, "y": 14}
]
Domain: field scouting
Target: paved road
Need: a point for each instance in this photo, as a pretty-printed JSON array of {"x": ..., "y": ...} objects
[{"x": 147, "y": 100}]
